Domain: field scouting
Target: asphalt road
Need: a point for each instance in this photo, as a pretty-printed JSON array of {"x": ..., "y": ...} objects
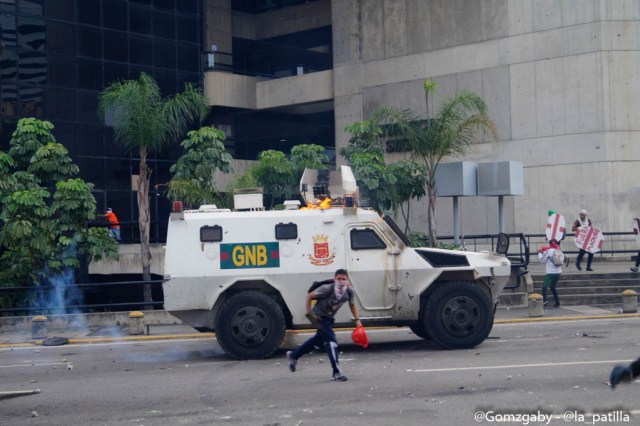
[{"x": 520, "y": 374}]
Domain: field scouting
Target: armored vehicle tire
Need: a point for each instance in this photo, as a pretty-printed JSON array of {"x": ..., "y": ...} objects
[
  {"x": 250, "y": 325},
  {"x": 418, "y": 330},
  {"x": 458, "y": 315}
]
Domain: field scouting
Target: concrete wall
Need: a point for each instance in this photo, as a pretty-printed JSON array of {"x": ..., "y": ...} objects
[
  {"x": 283, "y": 21},
  {"x": 218, "y": 25},
  {"x": 130, "y": 261},
  {"x": 558, "y": 77},
  {"x": 295, "y": 90},
  {"x": 233, "y": 90}
]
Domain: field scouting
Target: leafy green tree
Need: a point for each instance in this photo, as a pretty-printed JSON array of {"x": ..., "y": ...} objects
[
  {"x": 145, "y": 121},
  {"x": 307, "y": 155},
  {"x": 204, "y": 153},
  {"x": 274, "y": 173},
  {"x": 278, "y": 175},
  {"x": 409, "y": 183},
  {"x": 457, "y": 123},
  {"x": 44, "y": 211},
  {"x": 388, "y": 186}
]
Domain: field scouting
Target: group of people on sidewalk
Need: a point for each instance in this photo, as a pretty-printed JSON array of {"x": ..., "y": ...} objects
[{"x": 554, "y": 259}]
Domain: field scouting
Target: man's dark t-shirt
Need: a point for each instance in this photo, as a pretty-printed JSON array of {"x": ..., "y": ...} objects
[{"x": 327, "y": 304}]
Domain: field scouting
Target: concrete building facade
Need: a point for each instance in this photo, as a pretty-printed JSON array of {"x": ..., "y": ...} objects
[{"x": 559, "y": 77}]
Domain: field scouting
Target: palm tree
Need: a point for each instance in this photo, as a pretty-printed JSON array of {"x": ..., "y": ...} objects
[
  {"x": 458, "y": 122},
  {"x": 143, "y": 120}
]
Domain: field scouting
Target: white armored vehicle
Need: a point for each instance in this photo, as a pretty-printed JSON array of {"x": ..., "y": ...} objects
[{"x": 245, "y": 274}]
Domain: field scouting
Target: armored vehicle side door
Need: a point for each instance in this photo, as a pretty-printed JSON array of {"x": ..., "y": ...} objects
[{"x": 370, "y": 260}]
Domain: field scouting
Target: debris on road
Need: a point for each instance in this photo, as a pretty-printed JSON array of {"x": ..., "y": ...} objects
[{"x": 13, "y": 394}]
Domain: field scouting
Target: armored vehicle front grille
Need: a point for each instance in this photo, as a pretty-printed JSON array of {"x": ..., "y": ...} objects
[{"x": 442, "y": 260}]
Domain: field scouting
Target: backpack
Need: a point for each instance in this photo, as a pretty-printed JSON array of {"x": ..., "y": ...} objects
[
  {"x": 557, "y": 258},
  {"x": 317, "y": 284}
]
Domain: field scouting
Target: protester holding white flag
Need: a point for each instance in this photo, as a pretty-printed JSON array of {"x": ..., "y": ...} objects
[{"x": 582, "y": 220}]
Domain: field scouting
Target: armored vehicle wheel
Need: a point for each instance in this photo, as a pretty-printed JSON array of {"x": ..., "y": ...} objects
[
  {"x": 418, "y": 330},
  {"x": 458, "y": 315},
  {"x": 250, "y": 325}
]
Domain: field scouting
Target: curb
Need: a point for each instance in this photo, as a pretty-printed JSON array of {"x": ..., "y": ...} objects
[
  {"x": 564, "y": 318},
  {"x": 207, "y": 335}
]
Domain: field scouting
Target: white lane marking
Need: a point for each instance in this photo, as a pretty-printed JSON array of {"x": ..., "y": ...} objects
[
  {"x": 33, "y": 365},
  {"x": 499, "y": 367}
]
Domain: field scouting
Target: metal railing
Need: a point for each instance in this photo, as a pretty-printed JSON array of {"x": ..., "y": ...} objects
[{"x": 70, "y": 299}]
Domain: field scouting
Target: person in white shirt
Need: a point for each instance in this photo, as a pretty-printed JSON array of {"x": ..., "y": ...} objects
[{"x": 553, "y": 270}]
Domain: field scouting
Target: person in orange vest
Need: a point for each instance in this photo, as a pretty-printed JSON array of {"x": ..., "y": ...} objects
[{"x": 114, "y": 225}]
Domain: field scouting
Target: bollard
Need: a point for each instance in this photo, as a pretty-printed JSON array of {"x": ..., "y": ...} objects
[
  {"x": 536, "y": 308},
  {"x": 629, "y": 302},
  {"x": 136, "y": 323},
  {"x": 39, "y": 327},
  {"x": 528, "y": 282}
]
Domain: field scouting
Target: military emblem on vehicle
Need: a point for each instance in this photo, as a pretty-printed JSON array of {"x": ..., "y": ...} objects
[{"x": 321, "y": 255}]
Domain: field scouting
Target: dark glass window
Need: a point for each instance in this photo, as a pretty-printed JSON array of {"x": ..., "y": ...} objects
[
  {"x": 89, "y": 74},
  {"x": 140, "y": 50},
  {"x": 366, "y": 239},
  {"x": 211, "y": 234},
  {"x": 186, "y": 77},
  {"x": 114, "y": 71},
  {"x": 9, "y": 66},
  {"x": 90, "y": 140},
  {"x": 9, "y": 100},
  {"x": 89, "y": 42},
  {"x": 88, "y": 107},
  {"x": 115, "y": 15},
  {"x": 7, "y": 127},
  {"x": 288, "y": 231},
  {"x": 58, "y": 9},
  {"x": 31, "y": 33},
  {"x": 165, "y": 4},
  {"x": 136, "y": 70},
  {"x": 164, "y": 25},
  {"x": 188, "y": 6},
  {"x": 8, "y": 5},
  {"x": 31, "y": 101},
  {"x": 146, "y": 2},
  {"x": 166, "y": 81},
  {"x": 187, "y": 29},
  {"x": 8, "y": 35},
  {"x": 60, "y": 38},
  {"x": 188, "y": 58},
  {"x": 31, "y": 6},
  {"x": 91, "y": 169},
  {"x": 118, "y": 174},
  {"x": 116, "y": 47},
  {"x": 61, "y": 71},
  {"x": 61, "y": 104},
  {"x": 32, "y": 67},
  {"x": 164, "y": 54},
  {"x": 88, "y": 11},
  {"x": 65, "y": 134},
  {"x": 139, "y": 20}
]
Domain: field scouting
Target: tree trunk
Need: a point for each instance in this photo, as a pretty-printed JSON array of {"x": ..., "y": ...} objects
[
  {"x": 431, "y": 191},
  {"x": 144, "y": 224}
]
